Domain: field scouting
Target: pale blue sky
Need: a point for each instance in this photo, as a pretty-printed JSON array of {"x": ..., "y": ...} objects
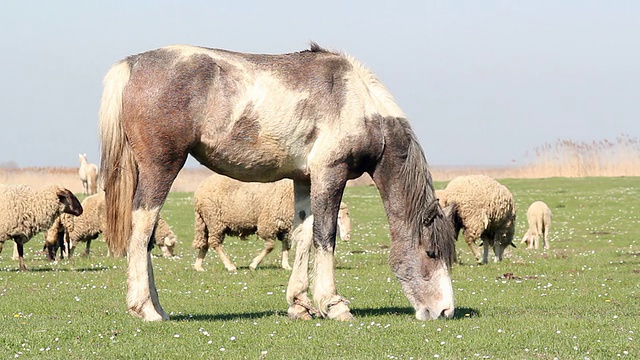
[{"x": 482, "y": 82}]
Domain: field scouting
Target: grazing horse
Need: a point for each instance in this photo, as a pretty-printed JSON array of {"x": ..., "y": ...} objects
[
  {"x": 315, "y": 116},
  {"x": 88, "y": 175}
]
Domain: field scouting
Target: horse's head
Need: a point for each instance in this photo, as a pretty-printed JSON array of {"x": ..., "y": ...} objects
[{"x": 422, "y": 267}]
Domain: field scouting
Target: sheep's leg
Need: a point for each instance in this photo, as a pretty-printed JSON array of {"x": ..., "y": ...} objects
[
  {"x": 87, "y": 249},
  {"x": 300, "y": 306},
  {"x": 200, "y": 258},
  {"x": 547, "y": 245},
  {"x": 485, "y": 250},
  {"x": 470, "y": 239},
  {"x": 228, "y": 264},
  {"x": 20, "y": 249},
  {"x": 15, "y": 255},
  {"x": 286, "y": 245},
  {"x": 268, "y": 247}
]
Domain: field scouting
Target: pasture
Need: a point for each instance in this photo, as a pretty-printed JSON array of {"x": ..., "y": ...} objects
[{"x": 579, "y": 300}]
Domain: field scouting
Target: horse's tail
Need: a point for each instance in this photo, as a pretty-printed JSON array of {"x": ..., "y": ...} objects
[{"x": 119, "y": 170}]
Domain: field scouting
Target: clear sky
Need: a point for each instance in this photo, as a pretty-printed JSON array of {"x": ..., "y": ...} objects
[{"x": 482, "y": 82}]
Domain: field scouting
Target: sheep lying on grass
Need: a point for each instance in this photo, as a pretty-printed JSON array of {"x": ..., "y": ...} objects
[
  {"x": 484, "y": 209},
  {"x": 224, "y": 206},
  {"x": 539, "y": 219},
  {"x": 67, "y": 231},
  {"x": 25, "y": 212}
]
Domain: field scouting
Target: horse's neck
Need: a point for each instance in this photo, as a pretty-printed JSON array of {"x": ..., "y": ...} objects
[{"x": 83, "y": 162}]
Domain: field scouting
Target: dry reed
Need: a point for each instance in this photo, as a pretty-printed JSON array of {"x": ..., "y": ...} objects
[{"x": 563, "y": 158}]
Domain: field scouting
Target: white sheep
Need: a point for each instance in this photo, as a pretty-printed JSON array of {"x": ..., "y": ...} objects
[
  {"x": 224, "y": 206},
  {"x": 67, "y": 231},
  {"x": 485, "y": 209},
  {"x": 24, "y": 212},
  {"x": 539, "y": 219}
]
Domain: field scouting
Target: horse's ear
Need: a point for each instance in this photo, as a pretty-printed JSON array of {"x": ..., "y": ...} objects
[{"x": 450, "y": 211}]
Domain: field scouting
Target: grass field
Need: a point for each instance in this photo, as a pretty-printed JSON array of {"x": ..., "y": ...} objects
[{"x": 580, "y": 300}]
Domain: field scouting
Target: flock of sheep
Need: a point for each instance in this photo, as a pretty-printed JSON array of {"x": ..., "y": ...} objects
[
  {"x": 483, "y": 209},
  {"x": 262, "y": 209}
]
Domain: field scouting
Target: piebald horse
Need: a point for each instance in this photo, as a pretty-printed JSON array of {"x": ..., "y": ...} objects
[
  {"x": 316, "y": 116},
  {"x": 88, "y": 175}
]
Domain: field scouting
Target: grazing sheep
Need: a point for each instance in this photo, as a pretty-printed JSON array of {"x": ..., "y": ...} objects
[
  {"x": 67, "y": 231},
  {"x": 539, "y": 219},
  {"x": 25, "y": 212},
  {"x": 165, "y": 238},
  {"x": 224, "y": 206},
  {"x": 88, "y": 175},
  {"x": 484, "y": 209}
]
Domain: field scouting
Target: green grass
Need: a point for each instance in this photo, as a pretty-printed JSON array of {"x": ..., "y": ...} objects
[{"x": 579, "y": 300}]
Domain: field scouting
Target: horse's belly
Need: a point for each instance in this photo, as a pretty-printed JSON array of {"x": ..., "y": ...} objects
[{"x": 252, "y": 158}]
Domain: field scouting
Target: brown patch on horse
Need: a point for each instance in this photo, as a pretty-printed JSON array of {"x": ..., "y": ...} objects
[{"x": 161, "y": 127}]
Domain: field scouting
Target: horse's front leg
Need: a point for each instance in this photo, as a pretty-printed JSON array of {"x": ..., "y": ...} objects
[
  {"x": 300, "y": 307},
  {"x": 325, "y": 204}
]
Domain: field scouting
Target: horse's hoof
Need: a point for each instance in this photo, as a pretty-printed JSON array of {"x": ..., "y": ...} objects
[
  {"x": 299, "y": 312},
  {"x": 148, "y": 314},
  {"x": 340, "y": 312}
]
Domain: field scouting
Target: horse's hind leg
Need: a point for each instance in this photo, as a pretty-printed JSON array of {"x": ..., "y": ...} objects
[
  {"x": 153, "y": 186},
  {"x": 286, "y": 246}
]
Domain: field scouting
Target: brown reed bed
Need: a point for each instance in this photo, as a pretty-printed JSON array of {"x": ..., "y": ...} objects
[{"x": 562, "y": 158}]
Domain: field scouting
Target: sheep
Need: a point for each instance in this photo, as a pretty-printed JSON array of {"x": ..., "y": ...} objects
[
  {"x": 25, "y": 212},
  {"x": 539, "y": 219},
  {"x": 165, "y": 238},
  {"x": 67, "y": 231},
  {"x": 484, "y": 209},
  {"x": 224, "y": 206}
]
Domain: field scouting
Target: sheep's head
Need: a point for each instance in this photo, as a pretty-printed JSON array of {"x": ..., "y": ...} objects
[
  {"x": 168, "y": 245},
  {"x": 69, "y": 203}
]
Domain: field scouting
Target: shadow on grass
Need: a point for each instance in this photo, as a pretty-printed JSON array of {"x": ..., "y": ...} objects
[
  {"x": 460, "y": 313},
  {"x": 227, "y": 317},
  {"x": 51, "y": 269}
]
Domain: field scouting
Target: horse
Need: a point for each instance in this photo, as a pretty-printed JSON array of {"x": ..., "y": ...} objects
[
  {"x": 88, "y": 175},
  {"x": 316, "y": 116}
]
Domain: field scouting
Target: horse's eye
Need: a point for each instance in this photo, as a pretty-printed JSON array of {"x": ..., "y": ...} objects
[{"x": 431, "y": 254}]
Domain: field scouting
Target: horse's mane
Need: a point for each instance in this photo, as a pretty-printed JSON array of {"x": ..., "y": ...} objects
[{"x": 422, "y": 205}]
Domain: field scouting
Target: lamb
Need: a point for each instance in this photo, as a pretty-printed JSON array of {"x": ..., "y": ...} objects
[
  {"x": 67, "y": 231},
  {"x": 224, "y": 206},
  {"x": 24, "y": 212},
  {"x": 484, "y": 209},
  {"x": 539, "y": 219}
]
